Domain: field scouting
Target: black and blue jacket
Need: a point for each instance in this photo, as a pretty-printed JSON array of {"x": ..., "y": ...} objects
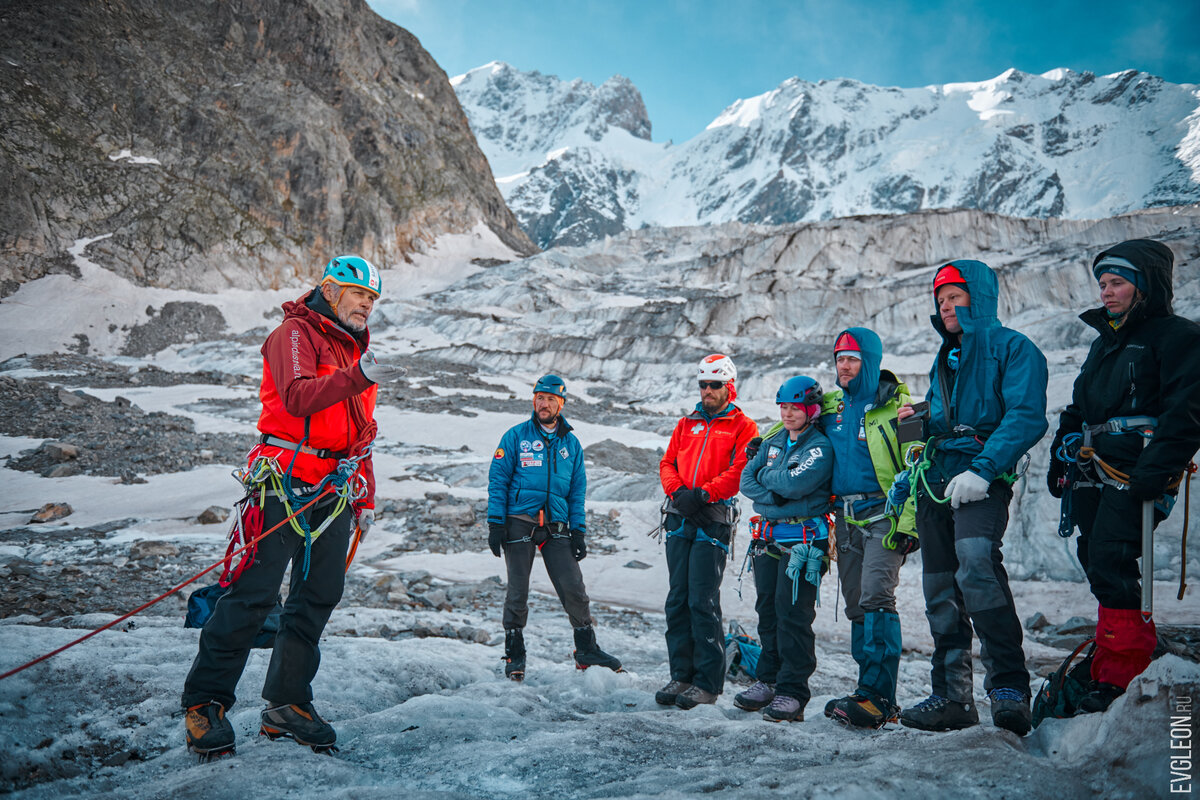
[{"x": 533, "y": 471}]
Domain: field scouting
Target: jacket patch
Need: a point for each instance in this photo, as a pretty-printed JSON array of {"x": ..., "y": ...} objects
[
  {"x": 564, "y": 454},
  {"x": 499, "y": 452},
  {"x": 525, "y": 446},
  {"x": 796, "y": 467},
  {"x": 537, "y": 445},
  {"x": 530, "y": 460},
  {"x": 698, "y": 427}
]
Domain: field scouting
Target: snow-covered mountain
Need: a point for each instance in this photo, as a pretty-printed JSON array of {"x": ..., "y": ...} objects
[{"x": 575, "y": 162}]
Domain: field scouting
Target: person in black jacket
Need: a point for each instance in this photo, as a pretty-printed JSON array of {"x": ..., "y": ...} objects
[{"x": 1136, "y": 403}]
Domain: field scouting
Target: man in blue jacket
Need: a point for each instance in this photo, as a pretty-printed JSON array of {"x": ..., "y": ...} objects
[
  {"x": 536, "y": 491},
  {"x": 987, "y": 407}
]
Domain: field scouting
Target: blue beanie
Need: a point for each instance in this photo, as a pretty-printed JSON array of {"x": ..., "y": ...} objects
[{"x": 1122, "y": 268}]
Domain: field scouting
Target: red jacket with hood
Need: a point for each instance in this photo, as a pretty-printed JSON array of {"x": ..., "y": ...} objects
[
  {"x": 708, "y": 453},
  {"x": 311, "y": 372}
]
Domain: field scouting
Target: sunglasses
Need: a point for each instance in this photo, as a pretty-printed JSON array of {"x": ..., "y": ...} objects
[{"x": 714, "y": 385}]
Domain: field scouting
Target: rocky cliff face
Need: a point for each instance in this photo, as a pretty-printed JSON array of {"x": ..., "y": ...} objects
[
  {"x": 216, "y": 142},
  {"x": 1062, "y": 144}
]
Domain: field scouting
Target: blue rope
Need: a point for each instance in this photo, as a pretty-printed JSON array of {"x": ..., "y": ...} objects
[{"x": 338, "y": 478}]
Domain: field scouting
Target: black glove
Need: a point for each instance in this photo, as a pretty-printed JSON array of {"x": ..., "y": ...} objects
[
  {"x": 578, "y": 545},
  {"x": 902, "y": 543},
  {"x": 688, "y": 502},
  {"x": 752, "y": 447},
  {"x": 1057, "y": 471},
  {"x": 1142, "y": 490},
  {"x": 497, "y": 533}
]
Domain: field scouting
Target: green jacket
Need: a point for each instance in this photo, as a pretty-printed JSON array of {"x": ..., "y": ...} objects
[{"x": 882, "y": 442}]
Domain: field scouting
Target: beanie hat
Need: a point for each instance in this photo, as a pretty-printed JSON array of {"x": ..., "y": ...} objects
[
  {"x": 945, "y": 275},
  {"x": 847, "y": 345},
  {"x": 1122, "y": 268}
]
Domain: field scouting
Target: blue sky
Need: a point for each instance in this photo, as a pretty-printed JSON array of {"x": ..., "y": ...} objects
[{"x": 692, "y": 59}]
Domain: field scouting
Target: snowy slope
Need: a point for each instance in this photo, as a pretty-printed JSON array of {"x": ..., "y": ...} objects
[
  {"x": 427, "y": 714},
  {"x": 1061, "y": 144}
]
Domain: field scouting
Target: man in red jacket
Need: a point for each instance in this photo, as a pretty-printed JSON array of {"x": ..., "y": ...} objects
[
  {"x": 700, "y": 473},
  {"x": 318, "y": 406}
]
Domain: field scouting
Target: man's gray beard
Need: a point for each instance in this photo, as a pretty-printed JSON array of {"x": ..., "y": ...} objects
[{"x": 350, "y": 326}]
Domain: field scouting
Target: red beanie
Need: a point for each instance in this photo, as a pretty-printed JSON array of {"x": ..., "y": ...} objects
[{"x": 945, "y": 275}]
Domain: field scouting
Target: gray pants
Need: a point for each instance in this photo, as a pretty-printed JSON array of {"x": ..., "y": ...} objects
[
  {"x": 868, "y": 571},
  {"x": 561, "y": 566}
]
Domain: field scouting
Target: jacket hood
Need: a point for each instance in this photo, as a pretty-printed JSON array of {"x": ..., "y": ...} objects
[
  {"x": 984, "y": 289},
  {"x": 313, "y": 307},
  {"x": 1157, "y": 262},
  {"x": 866, "y": 383}
]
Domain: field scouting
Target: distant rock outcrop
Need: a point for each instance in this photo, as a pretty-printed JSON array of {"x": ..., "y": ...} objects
[{"x": 217, "y": 142}]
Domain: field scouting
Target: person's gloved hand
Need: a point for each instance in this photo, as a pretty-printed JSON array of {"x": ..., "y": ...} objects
[
  {"x": 377, "y": 371},
  {"x": 1142, "y": 490},
  {"x": 902, "y": 543},
  {"x": 897, "y": 495},
  {"x": 752, "y": 447},
  {"x": 496, "y": 534},
  {"x": 688, "y": 502},
  {"x": 1057, "y": 472},
  {"x": 966, "y": 487},
  {"x": 578, "y": 545},
  {"x": 366, "y": 519}
]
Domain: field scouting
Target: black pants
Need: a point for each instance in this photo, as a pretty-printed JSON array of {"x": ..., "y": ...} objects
[
  {"x": 794, "y": 636},
  {"x": 229, "y": 633},
  {"x": 1110, "y": 543},
  {"x": 561, "y": 566},
  {"x": 965, "y": 582},
  {"x": 766, "y": 579},
  {"x": 695, "y": 638}
]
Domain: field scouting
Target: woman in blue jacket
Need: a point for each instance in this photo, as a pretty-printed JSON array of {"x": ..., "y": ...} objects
[{"x": 789, "y": 481}]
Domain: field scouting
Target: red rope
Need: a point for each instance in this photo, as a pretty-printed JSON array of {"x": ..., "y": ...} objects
[{"x": 166, "y": 594}]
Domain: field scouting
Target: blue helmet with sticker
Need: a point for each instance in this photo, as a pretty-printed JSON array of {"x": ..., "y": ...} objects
[
  {"x": 551, "y": 384},
  {"x": 353, "y": 271},
  {"x": 800, "y": 389}
]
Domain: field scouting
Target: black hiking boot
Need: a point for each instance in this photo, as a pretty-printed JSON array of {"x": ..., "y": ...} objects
[
  {"x": 209, "y": 734},
  {"x": 861, "y": 711},
  {"x": 589, "y": 654},
  {"x": 667, "y": 695},
  {"x": 299, "y": 722},
  {"x": 1099, "y": 697},
  {"x": 1010, "y": 710},
  {"x": 514, "y": 654},
  {"x": 937, "y": 713}
]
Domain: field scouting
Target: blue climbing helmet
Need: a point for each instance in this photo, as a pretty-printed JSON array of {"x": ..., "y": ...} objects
[
  {"x": 551, "y": 384},
  {"x": 804, "y": 390},
  {"x": 353, "y": 271},
  {"x": 800, "y": 389}
]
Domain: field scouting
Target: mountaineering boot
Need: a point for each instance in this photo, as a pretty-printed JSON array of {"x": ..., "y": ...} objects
[
  {"x": 514, "y": 654},
  {"x": 937, "y": 713},
  {"x": 756, "y": 698},
  {"x": 862, "y": 711},
  {"x": 209, "y": 734},
  {"x": 693, "y": 696},
  {"x": 1099, "y": 697},
  {"x": 589, "y": 654},
  {"x": 300, "y": 722},
  {"x": 667, "y": 695},
  {"x": 1010, "y": 710},
  {"x": 784, "y": 709}
]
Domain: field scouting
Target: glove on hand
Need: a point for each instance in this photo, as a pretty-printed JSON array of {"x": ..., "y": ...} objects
[
  {"x": 902, "y": 543},
  {"x": 1057, "y": 471},
  {"x": 1142, "y": 490},
  {"x": 496, "y": 536},
  {"x": 578, "y": 545},
  {"x": 752, "y": 447},
  {"x": 688, "y": 502},
  {"x": 966, "y": 487},
  {"x": 377, "y": 371},
  {"x": 897, "y": 495},
  {"x": 366, "y": 519}
]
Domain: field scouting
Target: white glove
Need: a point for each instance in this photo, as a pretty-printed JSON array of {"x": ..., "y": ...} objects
[
  {"x": 966, "y": 487},
  {"x": 377, "y": 371},
  {"x": 366, "y": 519}
]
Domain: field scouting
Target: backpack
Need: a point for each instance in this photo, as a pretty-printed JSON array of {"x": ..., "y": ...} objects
[
  {"x": 741, "y": 652},
  {"x": 200, "y": 607},
  {"x": 1061, "y": 692}
]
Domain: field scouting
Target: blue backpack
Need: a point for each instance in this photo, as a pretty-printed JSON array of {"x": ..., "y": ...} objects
[
  {"x": 200, "y": 607},
  {"x": 741, "y": 652}
]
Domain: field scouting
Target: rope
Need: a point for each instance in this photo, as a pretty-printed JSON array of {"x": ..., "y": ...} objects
[
  {"x": 163, "y": 596},
  {"x": 1188, "y": 471}
]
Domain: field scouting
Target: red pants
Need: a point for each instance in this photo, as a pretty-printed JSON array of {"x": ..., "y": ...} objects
[{"x": 1124, "y": 644}]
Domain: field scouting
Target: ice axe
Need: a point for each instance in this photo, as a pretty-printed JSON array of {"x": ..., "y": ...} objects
[{"x": 1147, "y": 560}]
